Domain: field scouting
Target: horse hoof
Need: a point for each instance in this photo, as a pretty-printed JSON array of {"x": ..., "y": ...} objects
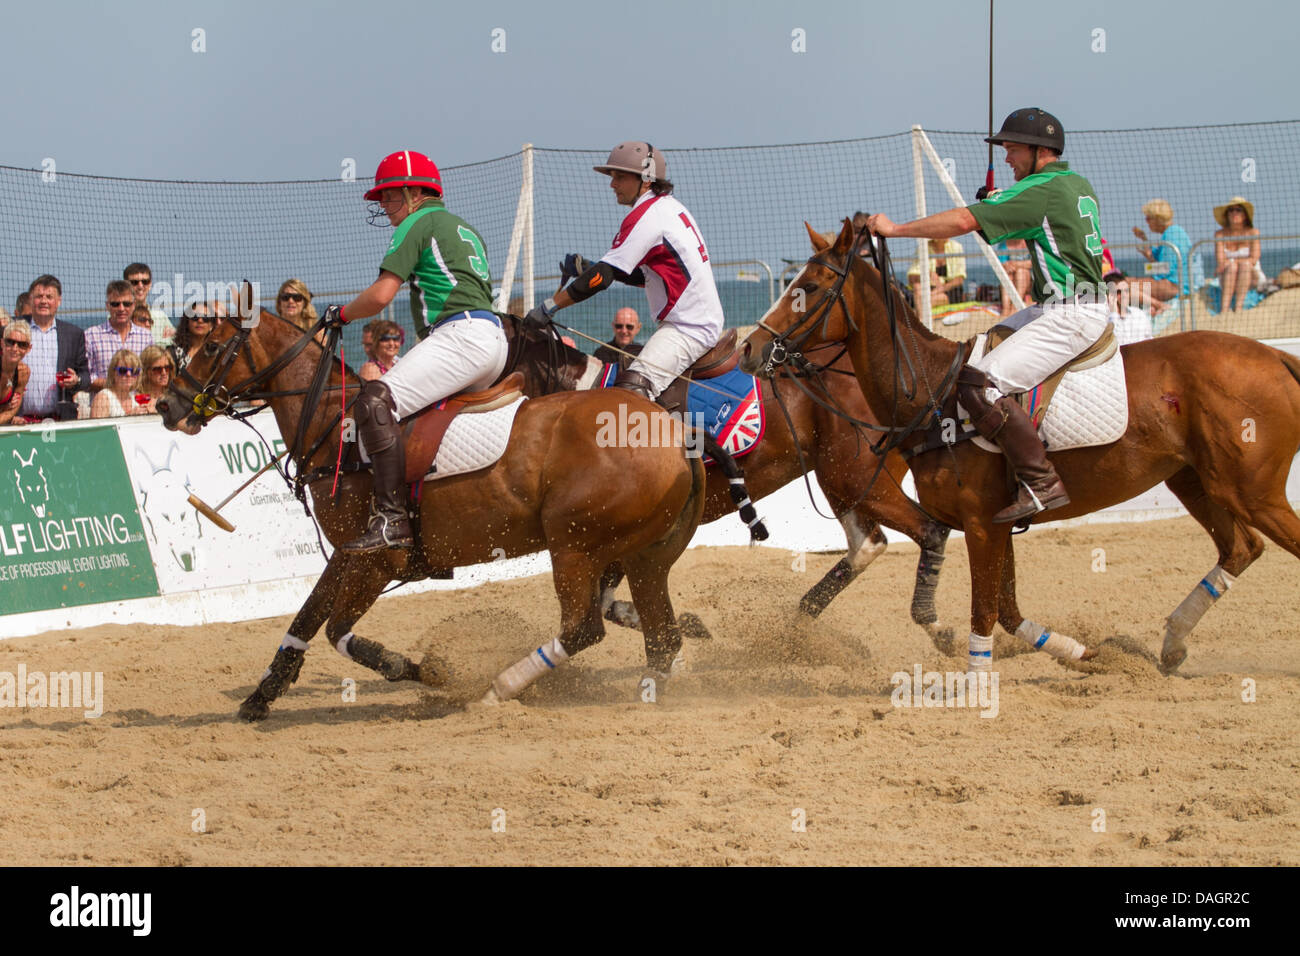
[
  {"x": 1089, "y": 653},
  {"x": 692, "y": 627},
  {"x": 623, "y": 613},
  {"x": 944, "y": 640},
  {"x": 433, "y": 671},
  {"x": 1171, "y": 659},
  {"x": 254, "y": 709},
  {"x": 488, "y": 700}
]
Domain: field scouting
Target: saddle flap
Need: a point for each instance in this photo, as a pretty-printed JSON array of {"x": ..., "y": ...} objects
[
  {"x": 423, "y": 431},
  {"x": 719, "y": 360}
]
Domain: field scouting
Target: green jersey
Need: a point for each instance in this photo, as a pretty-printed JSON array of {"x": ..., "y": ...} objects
[
  {"x": 445, "y": 260},
  {"x": 1055, "y": 210}
]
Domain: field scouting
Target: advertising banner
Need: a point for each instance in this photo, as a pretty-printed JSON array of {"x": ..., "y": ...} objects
[
  {"x": 273, "y": 538},
  {"x": 69, "y": 530}
]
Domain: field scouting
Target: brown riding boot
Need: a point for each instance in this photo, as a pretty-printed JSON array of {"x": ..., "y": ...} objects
[
  {"x": 1006, "y": 423},
  {"x": 389, "y": 525},
  {"x": 1040, "y": 486},
  {"x": 635, "y": 382}
]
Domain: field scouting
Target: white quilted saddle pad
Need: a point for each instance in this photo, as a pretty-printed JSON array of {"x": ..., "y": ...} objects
[
  {"x": 1089, "y": 408},
  {"x": 472, "y": 441}
]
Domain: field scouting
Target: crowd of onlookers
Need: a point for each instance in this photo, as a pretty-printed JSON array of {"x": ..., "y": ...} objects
[{"x": 53, "y": 369}]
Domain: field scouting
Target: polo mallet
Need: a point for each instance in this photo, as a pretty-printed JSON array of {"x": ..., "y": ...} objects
[{"x": 213, "y": 514}]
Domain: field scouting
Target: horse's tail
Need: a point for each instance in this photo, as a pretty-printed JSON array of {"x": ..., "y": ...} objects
[{"x": 736, "y": 483}]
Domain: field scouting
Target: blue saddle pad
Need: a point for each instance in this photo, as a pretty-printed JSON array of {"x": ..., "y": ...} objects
[{"x": 735, "y": 418}]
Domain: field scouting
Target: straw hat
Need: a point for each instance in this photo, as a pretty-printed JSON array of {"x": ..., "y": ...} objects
[{"x": 1221, "y": 212}]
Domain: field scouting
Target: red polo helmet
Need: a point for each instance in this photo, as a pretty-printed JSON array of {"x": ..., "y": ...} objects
[{"x": 406, "y": 168}]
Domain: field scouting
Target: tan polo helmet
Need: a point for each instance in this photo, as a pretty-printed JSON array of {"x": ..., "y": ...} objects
[{"x": 636, "y": 157}]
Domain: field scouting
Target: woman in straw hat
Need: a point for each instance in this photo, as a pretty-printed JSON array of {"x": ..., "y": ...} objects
[{"x": 1236, "y": 253}]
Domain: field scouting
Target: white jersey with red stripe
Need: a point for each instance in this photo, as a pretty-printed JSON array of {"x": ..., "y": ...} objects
[{"x": 659, "y": 237}]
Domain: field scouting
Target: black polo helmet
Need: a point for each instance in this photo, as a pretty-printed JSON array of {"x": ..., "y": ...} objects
[{"x": 1031, "y": 126}]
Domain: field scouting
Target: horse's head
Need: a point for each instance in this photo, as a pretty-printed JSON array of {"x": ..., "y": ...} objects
[
  {"x": 812, "y": 310},
  {"x": 215, "y": 377}
]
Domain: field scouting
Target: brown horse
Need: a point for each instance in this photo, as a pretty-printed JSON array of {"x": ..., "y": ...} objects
[
  {"x": 556, "y": 488},
  {"x": 821, "y": 440},
  {"x": 1214, "y": 416}
]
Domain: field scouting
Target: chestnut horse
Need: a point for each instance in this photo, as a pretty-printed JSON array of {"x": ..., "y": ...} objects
[
  {"x": 555, "y": 488},
  {"x": 1214, "y": 416},
  {"x": 821, "y": 440}
]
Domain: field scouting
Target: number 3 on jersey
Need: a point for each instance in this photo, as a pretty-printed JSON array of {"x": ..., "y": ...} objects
[
  {"x": 704, "y": 256},
  {"x": 1088, "y": 210},
  {"x": 478, "y": 261}
]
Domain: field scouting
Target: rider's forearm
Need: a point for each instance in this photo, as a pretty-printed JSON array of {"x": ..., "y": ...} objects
[
  {"x": 942, "y": 225},
  {"x": 373, "y": 300}
]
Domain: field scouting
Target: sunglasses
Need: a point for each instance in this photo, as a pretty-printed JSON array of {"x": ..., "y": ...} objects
[
  {"x": 26, "y": 317},
  {"x": 392, "y": 338},
  {"x": 18, "y": 343},
  {"x": 143, "y": 320},
  {"x": 206, "y": 319},
  {"x": 292, "y": 297},
  {"x": 617, "y": 326},
  {"x": 129, "y": 303},
  {"x": 126, "y": 370},
  {"x": 139, "y": 281},
  {"x": 161, "y": 370}
]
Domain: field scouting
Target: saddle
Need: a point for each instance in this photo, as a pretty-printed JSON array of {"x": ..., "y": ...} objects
[
  {"x": 717, "y": 361},
  {"x": 423, "y": 432},
  {"x": 1036, "y": 400}
]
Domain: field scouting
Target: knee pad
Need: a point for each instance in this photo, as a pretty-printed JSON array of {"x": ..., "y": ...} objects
[
  {"x": 973, "y": 388},
  {"x": 375, "y": 405}
]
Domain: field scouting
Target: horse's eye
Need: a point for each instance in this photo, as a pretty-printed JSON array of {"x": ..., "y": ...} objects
[{"x": 212, "y": 348}]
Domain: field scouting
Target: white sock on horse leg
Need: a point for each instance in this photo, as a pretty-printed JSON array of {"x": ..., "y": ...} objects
[
  {"x": 512, "y": 681},
  {"x": 981, "y": 653},
  {"x": 1043, "y": 639},
  {"x": 291, "y": 643},
  {"x": 1210, "y": 588}
]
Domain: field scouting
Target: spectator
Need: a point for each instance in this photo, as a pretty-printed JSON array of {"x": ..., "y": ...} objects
[
  {"x": 14, "y": 373},
  {"x": 5, "y": 318},
  {"x": 119, "y": 332},
  {"x": 1131, "y": 323},
  {"x": 294, "y": 303},
  {"x": 141, "y": 279},
  {"x": 158, "y": 368},
  {"x": 117, "y": 397},
  {"x": 389, "y": 339},
  {"x": 626, "y": 325},
  {"x": 1014, "y": 256},
  {"x": 1235, "y": 261},
  {"x": 191, "y": 332},
  {"x": 1170, "y": 271},
  {"x": 58, "y": 356},
  {"x": 142, "y": 316},
  {"x": 368, "y": 340},
  {"x": 947, "y": 275},
  {"x": 23, "y": 307}
]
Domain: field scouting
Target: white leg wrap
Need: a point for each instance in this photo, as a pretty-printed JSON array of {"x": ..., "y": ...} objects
[
  {"x": 341, "y": 645},
  {"x": 981, "y": 653},
  {"x": 510, "y": 683},
  {"x": 1211, "y": 587},
  {"x": 1058, "y": 645},
  {"x": 292, "y": 643}
]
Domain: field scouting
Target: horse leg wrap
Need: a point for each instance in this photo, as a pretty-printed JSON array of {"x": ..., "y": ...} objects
[
  {"x": 512, "y": 681},
  {"x": 1043, "y": 639},
  {"x": 981, "y": 653},
  {"x": 1185, "y": 617},
  {"x": 283, "y": 672},
  {"x": 392, "y": 665},
  {"x": 927, "y": 580},
  {"x": 821, "y": 594}
]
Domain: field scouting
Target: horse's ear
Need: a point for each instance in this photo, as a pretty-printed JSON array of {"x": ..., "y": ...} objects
[
  {"x": 844, "y": 241},
  {"x": 819, "y": 242}
]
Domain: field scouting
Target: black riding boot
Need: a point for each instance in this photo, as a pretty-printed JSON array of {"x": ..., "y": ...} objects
[
  {"x": 389, "y": 525},
  {"x": 1005, "y": 422}
]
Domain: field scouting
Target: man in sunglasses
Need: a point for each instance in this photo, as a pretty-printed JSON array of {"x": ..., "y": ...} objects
[
  {"x": 58, "y": 355},
  {"x": 618, "y": 349},
  {"x": 141, "y": 279},
  {"x": 119, "y": 332}
]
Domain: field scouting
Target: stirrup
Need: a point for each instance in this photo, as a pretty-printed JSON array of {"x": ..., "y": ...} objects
[{"x": 381, "y": 534}]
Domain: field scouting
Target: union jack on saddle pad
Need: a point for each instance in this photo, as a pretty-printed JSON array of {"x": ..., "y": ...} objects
[{"x": 736, "y": 419}]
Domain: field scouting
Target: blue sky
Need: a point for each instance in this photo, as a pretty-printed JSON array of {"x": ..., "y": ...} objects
[{"x": 288, "y": 90}]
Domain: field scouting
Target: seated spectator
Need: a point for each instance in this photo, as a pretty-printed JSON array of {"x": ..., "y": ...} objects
[
  {"x": 626, "y": 325},
  {"x": 141, "y": 279},
  {"x": 947, "y": 275},
  {"x": 389, "y": 338},
  {"x": 158, "y": 368},
  {"x": 14, "y": 373},
  {"x": 1237, "y": 252},
  {"x": 190, "y": 333},
  {"x": 57, "y": 358},
  {"x": 1131, "y": 323},
  {"x": 117, "y": 397},
  {"x": 294, "y": 303},
  {"x": 1170, "y": 271},
  {"x": 1014, "y": 256},
  {"x": 119, "y": 332}
]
